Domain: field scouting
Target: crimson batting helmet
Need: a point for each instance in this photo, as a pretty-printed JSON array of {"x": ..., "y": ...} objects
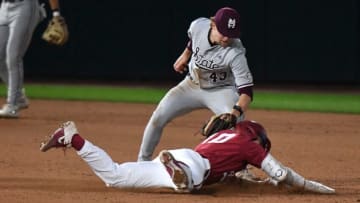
[{"x": 256, "y": 131}]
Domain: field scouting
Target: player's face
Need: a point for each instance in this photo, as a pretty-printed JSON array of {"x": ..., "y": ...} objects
[{"x": 220, "y": 39}]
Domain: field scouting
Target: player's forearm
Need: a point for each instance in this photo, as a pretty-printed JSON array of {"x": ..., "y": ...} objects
[
  {"x": 54, "y": 5},
  {"x": 180, "y": 64},
  {"x": 187, "y": 53},
  {"x": 244, "y": 103}
]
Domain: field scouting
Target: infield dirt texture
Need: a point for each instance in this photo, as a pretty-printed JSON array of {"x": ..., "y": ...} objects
[{"x": 320, "y": 146}]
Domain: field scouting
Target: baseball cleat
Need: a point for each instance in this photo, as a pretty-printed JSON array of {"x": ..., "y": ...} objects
[
  {"x": 9, "y": 111},
  {"x": 23, "y": 103},
  {"x": 179, "y": 172},
  {"x": 61, "y": 137}
]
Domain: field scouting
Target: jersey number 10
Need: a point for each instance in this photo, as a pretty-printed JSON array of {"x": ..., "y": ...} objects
[{"x": 222, "y": 138}]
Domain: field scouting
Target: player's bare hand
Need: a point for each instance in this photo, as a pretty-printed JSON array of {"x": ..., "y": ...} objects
[
  {"x": 180, "y": 68},
  {"x": 180, "y": 64}
]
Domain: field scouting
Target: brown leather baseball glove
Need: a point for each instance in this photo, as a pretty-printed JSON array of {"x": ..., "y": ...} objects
[
  {"x": 218, "y": 122},
  {"x": 56, "y": 32}
]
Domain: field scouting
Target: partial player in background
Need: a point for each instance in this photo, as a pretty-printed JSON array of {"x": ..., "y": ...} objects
[
  {"x": 214, "y": 160},
  {"x": 18, "y": 20},
  {"x": 219, "y": 78},
  {"x": 56, "y": 32}
]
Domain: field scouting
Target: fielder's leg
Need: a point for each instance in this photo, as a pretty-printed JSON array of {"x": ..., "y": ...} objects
[
  {"x": 178, "y": 101},
  {"x": 4, "y": 34}
]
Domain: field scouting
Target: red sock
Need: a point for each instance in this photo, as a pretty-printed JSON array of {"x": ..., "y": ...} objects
[{"x": 77, "y": 142}]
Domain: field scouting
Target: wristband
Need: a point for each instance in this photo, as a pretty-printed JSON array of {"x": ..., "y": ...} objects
[
  {"x": 238, "y": 108},
  {"x": 56, "y": 12}
]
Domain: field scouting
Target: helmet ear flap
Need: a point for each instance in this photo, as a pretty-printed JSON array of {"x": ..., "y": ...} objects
[
  {"x": 258, "y": 130},
  {"x": 265, "y": 142}
]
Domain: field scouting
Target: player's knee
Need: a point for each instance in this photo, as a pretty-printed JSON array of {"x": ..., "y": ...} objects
[{"x": 159, "y": 119}]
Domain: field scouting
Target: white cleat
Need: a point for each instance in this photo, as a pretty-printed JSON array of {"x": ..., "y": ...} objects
[
  {"x": 9, "y": 111},
  {"x": 23, "y": 103},
  {"x": 178, "y": 171}
]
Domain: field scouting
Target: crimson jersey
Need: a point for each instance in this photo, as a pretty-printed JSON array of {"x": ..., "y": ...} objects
[{"x": 229, "y": 152}]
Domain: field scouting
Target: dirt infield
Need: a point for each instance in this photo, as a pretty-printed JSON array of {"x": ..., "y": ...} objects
[{"x": 320, "y": 146}]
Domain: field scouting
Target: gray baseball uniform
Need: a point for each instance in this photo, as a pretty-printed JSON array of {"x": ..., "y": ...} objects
[
  {"x": 18, "y": 19},
  {"x": 215, "y": 74}
]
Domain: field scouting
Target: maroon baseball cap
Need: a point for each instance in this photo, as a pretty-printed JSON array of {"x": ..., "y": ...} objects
[{"x": 227, "y": 21}]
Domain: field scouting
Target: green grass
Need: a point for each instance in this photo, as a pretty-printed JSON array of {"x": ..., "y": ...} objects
[
  {"x": 314, "y": 102},
  {"x": 95, "y": 93}
]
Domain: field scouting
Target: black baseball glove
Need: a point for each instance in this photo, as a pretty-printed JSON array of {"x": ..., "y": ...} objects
[{"x": 218, "y": 122}]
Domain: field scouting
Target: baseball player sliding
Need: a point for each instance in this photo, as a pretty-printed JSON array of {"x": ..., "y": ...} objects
[
  {"x": 218, "y": 78},
  {"x": 185, "y": 170},
  {"x": 18, "y": 20}
]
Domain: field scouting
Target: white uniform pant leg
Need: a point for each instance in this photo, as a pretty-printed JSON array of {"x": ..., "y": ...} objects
[
  {"x": 24, "y": 17},
  {"x": 178, "y": 101},
  {"x": 223, "y": 100},
  {"x": 147, "y": 174},
  {"x": 4, "y": 33}
]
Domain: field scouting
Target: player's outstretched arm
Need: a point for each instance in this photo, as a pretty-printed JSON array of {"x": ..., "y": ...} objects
[{"x": 288, "y": 176}]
